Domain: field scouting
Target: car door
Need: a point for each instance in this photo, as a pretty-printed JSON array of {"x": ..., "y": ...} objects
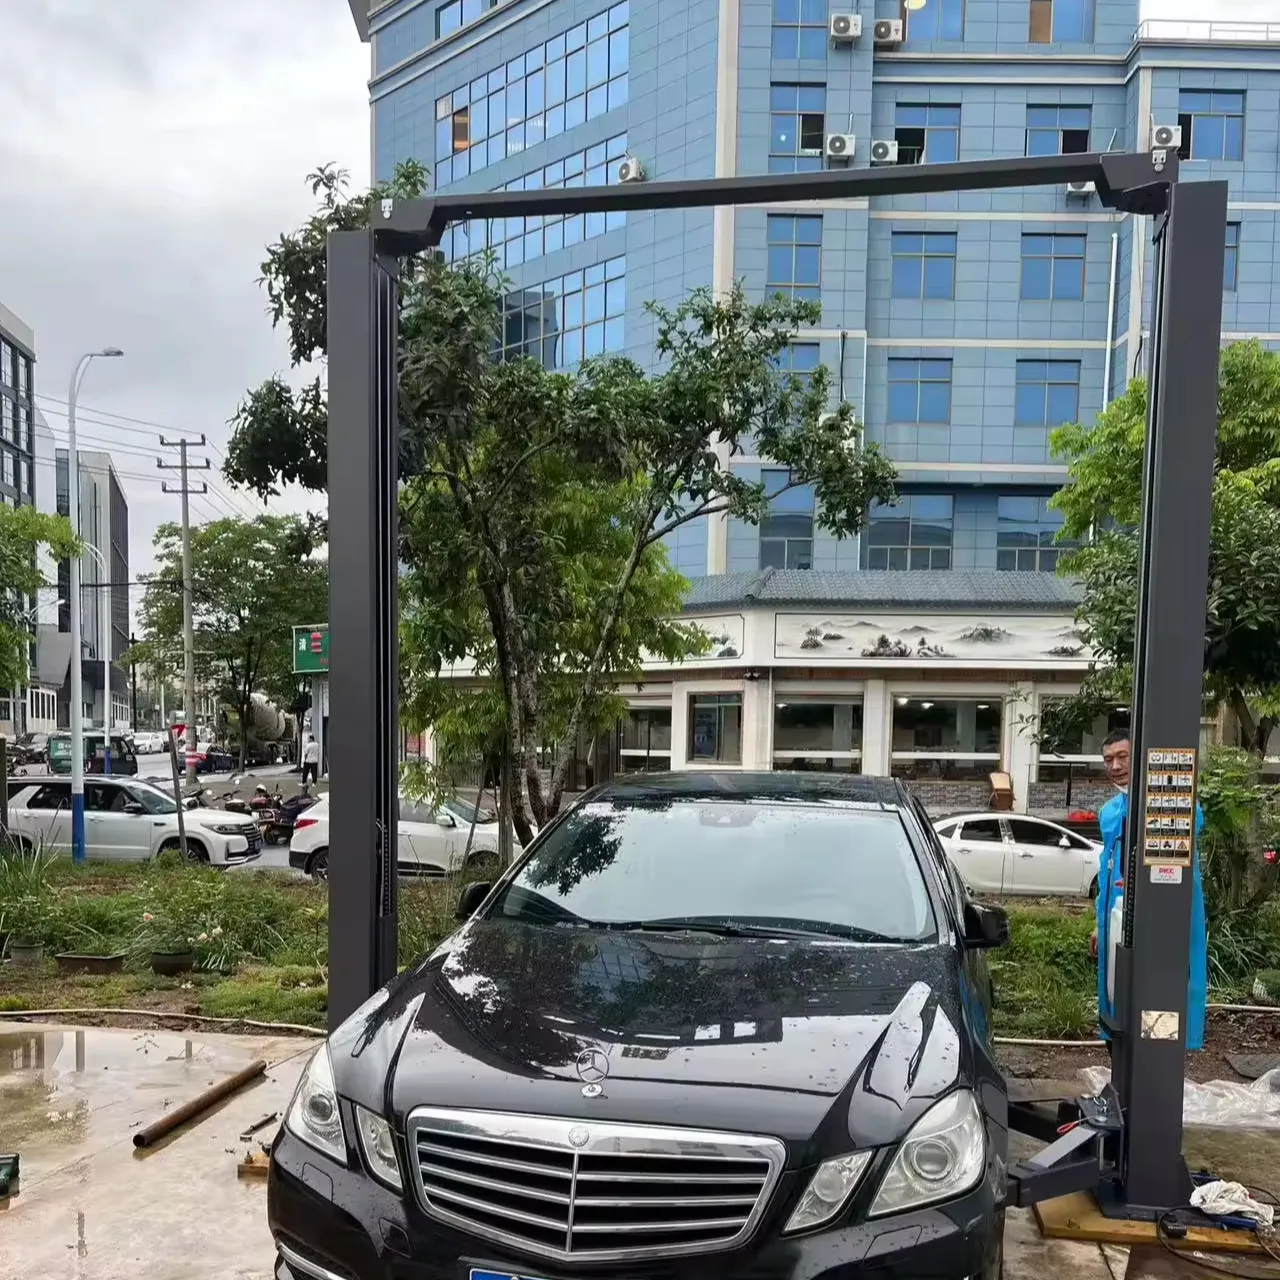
[
  {"x": 47, "y": 822},
  {"x": 110, "y": 833},
  {"x": 1045, "y": 859},
  {"x": 980, "y": 854},
  {"x": 424, "y": 847}
]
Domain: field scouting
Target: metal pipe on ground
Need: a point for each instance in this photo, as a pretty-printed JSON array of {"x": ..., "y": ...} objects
[{"x": 197, "y": 1106}]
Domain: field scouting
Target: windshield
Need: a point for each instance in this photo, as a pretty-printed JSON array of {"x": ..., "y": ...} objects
[
  {"x": 838, "y": 871},
  {"x": 152, "y": 799}
]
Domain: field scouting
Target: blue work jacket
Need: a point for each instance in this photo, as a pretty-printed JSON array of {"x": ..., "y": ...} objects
[{"x": 1111, "y": 820}]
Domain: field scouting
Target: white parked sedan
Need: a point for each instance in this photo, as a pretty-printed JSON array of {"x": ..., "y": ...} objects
[
  {"x": 432, "y": 841},
  {"x": 126, "y": 820},
  {"x": 1011, "y": 853}
]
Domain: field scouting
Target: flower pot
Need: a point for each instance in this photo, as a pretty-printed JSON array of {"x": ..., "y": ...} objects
[
  {"x": 26, "y": 953},
  {"x": 69, "y": 962},
  {"x": 169, "y": 963}
]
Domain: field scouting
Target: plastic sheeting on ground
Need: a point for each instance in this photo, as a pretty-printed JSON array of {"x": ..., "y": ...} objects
[{"x": 1220, "y": 1104}]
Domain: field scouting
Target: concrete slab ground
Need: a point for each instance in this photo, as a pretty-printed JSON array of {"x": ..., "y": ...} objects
[{"x": 92, "y": 1208}]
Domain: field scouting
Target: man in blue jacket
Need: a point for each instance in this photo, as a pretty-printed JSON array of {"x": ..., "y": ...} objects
[{"x": 1117, "y": 759}]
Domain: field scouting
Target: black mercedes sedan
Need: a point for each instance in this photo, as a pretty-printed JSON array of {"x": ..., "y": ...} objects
[{"x": 708, "y": 1024}]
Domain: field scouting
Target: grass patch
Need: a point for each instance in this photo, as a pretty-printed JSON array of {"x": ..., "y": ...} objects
[{"x": 1045, "y": 979}]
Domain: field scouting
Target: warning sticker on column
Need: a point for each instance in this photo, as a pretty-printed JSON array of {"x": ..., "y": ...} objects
[{"x": 1168, "y": 827}]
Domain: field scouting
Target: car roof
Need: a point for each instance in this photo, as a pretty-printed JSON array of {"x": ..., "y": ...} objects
[{"x": 745, "y": 786}]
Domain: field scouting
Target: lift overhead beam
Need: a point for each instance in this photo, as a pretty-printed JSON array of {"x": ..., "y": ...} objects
[{"x": 1133, "y": 1132}]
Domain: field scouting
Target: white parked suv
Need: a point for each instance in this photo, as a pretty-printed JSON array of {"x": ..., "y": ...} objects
[
  {"x": 126, "y": 820},
  {"x": 431, "y": 842}
]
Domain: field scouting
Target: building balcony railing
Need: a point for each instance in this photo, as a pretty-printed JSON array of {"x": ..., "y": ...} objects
[{"x": 1207, "y": 31}]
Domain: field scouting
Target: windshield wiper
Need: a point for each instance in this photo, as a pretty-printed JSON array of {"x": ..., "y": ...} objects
[{"x": 743, "y": 929}]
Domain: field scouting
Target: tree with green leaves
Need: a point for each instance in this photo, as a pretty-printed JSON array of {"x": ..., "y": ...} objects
[
  {"x": 252, "y": 581},
  {"x": 24, "y": 534},
  {"x": 1102, "y": 507},
  {"x": 536, "y": 503}
]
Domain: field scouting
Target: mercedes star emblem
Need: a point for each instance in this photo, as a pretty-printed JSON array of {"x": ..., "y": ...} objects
[
  {"x": 578, "y": 1136},
  {"x": 593, "y": 1068}
]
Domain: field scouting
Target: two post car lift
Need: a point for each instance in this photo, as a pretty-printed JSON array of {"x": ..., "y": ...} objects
[{"x": 1126, "y": 1144}]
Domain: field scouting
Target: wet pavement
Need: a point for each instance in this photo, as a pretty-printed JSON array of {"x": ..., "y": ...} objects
[{"x": 91, "y": 1208}]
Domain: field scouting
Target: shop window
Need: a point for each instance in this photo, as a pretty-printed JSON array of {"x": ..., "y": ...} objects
[
  {"x": 823, "y": 734},
  {"x": 1078, "y": 753},
  {"x": 715, "y": 728},
  {"x": 946, "y": 738},
  {"x": 645, "y": 738}
]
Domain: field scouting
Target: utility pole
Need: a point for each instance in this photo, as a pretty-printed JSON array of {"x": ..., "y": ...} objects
[
  {"x": 184, "y": 466},
  {"x": 133, "y": 680}
]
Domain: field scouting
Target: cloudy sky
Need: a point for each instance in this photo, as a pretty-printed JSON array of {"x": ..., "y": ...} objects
[{"x": 149, "y": 149}]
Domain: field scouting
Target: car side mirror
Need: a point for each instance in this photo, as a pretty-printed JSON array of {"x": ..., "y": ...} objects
[
  {"x": 1064, "y": 843},
  {"x": 132, "y": 806},
  {"x": 471, "y": 898},
  {"x": 985, "y": 927},
  {"x": 445, "y": 820}
]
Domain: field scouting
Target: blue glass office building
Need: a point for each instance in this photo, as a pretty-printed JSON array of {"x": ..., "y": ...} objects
[{"x": 962, "y": 327}]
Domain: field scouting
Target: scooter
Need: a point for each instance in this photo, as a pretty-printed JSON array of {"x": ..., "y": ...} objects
[{"x": 285, "y": 816}]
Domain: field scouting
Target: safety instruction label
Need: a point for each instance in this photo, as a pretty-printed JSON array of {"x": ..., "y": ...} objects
[{"x": 1168, "y": 827}]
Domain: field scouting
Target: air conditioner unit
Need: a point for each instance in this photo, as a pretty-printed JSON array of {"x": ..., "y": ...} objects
[
  {"x": 1167, "y": 136},
  {"x": 839, "y": 146},
  {"x": 884, "y": 151},
  {"x": 1082, "y": 189},
  {"x": 887, "y": 32},
  {"x": 845, "y": 28},
  {"x": 630, "y": 170}
]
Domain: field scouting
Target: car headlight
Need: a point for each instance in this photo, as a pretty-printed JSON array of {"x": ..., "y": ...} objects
[
  {"x": 229, "y": 828},
  {"x": 379, "y": 1148},
  {"x": 313, "y": 1114},
  {"x": 944, "y": 1155},
  {"x": 833, "y": 1182}
]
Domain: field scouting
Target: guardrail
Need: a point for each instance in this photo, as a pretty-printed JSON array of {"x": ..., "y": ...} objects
[{"x": 1208, "y": 31}]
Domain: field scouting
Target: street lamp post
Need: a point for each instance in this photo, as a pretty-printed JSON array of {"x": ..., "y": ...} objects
[
  {"x": 77, "y": 692},
  {"x": 102, "y": 605}
]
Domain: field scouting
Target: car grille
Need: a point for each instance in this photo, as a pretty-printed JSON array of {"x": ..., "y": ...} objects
[{"x": 570, "y": 1189}]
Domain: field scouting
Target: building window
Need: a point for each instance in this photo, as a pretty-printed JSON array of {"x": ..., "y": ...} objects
[
  {"x": 514, "y": 241},
  {"x": 927, "y": 134},
  {"x": 554, "y": 87},
  {"x": 7, "y": 468},
  {"x": 1080, "y": 755},
  {"x": 8, "y": 416},
  {"x": 936, "y": 20},
  {"x": 6, "y": 364},
  {"x": 1061, "y": 22},
  {"x": 795, "y": 255},
  {"x": 786, "y": 533},
  {"x": 563, "y": 321},
  {"x": 952, "y": 738},
  {"x": 1053, "y": 131},
  {"x": 645, "y": 736},
  {"x": 458, "y": 13},
  {"x": 715, "y": 728},
  {"x": 800, "y": 29},
  {"x": 817, "y": 733},
  {"x": 1053, "y": 268},
  {"x": 1047, "y": 393},
  {"x": 913, "y": 533},
  {"x": 1231, "y": 263},
  {"x": 799, "y": 360},
  {"x": 797, "y": 127},
  {"x": 924, "y": 264},
  {"x": 24, "y": 375},
  {"x": 920, "y": 391},
  {"x": 1026, "y": 529},
  {"x": 1212, "y": 124}
]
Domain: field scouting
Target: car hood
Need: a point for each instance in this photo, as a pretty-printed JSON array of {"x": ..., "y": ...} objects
[
  {"x": 781, "y": 1036},
  {"x": 216, "y": 817}
]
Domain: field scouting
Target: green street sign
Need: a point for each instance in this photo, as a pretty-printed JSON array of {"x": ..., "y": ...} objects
[{"x": 311, "y": 650}]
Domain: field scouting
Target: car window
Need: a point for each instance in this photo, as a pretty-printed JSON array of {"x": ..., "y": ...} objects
[
  {"x": 1027, "y": 831},
  {"x": 99, "y": 797},
  {"x": 947, "y": 830},
  {"x": 982, "y": 829},
  {"x": 152, "y": 799},
  {"x": 466, "y": 813},
  {"x": 52, "y": 795},
  {"x": 830, "y": 868}
]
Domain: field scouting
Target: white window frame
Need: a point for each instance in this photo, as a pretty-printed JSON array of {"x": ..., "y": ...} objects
[
  {"x": 653, "y": 702},
  {"x": 815, "y": 697}
]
